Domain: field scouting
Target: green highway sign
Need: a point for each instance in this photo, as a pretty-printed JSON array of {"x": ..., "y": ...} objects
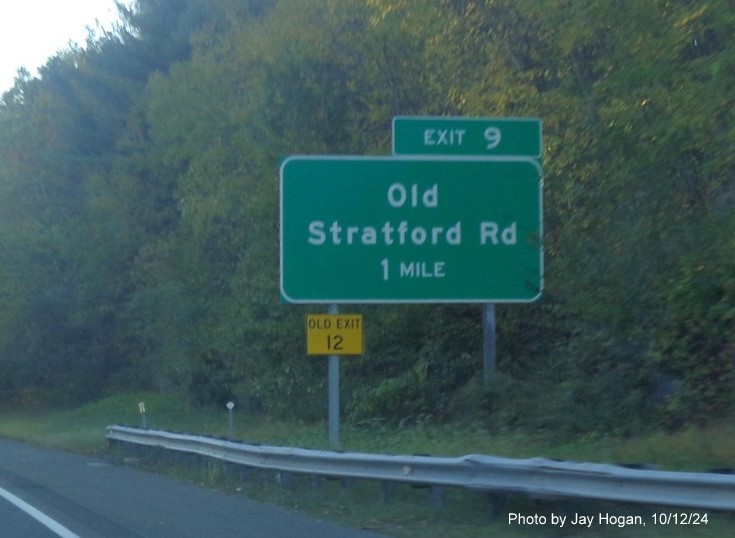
[
  {"x": 441, "y": 135},
  {"x": 410, "y": 230}
]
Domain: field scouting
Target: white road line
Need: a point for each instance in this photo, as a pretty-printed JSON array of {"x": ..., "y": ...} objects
[{"x": 39, "y": 516}]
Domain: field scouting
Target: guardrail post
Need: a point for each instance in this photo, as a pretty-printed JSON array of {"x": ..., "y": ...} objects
[
  {"x": 315, "y": 482},
  {"x": 388, "y": 491},
  {"x": 497, "y": 503},
  {"x": 284, "y": 479},
  {"x": 245, "y": 473},
  {"x": 438, "y": 497},
  {"x": 537, "y": 477}
]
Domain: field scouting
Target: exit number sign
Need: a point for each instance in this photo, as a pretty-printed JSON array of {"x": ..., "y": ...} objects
[
  {"x": 441, "y": 135},
  {"x": 334, "y": 334}
]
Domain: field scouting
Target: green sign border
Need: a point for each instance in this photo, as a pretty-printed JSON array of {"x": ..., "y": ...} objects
[
  {"x": 402, "y": 127},
  {"x": 423, "y": 300}
]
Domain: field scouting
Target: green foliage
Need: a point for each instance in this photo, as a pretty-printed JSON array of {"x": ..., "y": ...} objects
[
  {"x": 696, "y": 341},
  {"x": 139, "y": 206},
  {"x": 419, "y": 364}
]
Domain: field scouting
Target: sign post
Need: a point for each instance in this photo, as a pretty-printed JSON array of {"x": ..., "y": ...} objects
[
  {"x": 489, "y": 355},
  {"x": 455, "y": 216},
  {"x": 440, "y": 135},
  {"x": 230, "y": 423},
  {"x": 334, "y": 393},
  {"x": 141, "y": 409},
  {"x": 334, "y": 334}
]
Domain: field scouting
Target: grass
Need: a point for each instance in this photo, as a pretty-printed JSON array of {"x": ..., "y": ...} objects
[
  {"x": 82, "y": 429},
  {"x": 410, "y": 512}
]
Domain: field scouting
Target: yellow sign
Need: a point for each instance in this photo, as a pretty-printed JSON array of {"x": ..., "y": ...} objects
[{"x": 334, "y": 334}]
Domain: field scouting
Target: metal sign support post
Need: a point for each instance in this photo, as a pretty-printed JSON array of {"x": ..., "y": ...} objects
[
  {"x": 334, "y": 393},
  {"x": 474, "y": 137},
  {"x": 488, "y": 341},
  {"x": 403, "y": 216},
  {"x": 230, "y": 423}
]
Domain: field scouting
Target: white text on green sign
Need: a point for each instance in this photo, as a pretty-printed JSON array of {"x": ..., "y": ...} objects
[
  {"x": 440, "y": 135},
  {"x": 361, "y": 229}
]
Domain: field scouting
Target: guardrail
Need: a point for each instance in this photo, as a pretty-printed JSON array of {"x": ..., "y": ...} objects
[{"x": 537, "y": 477}]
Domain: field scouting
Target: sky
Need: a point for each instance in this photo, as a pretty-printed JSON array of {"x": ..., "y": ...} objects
[{"x": 31, "y": 31}]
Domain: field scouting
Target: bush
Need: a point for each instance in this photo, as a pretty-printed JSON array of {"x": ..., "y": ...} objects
[{"x": 696, "y": 344}]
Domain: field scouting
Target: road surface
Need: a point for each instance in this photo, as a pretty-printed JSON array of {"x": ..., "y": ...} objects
[{"x": 52, "y": 494}]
